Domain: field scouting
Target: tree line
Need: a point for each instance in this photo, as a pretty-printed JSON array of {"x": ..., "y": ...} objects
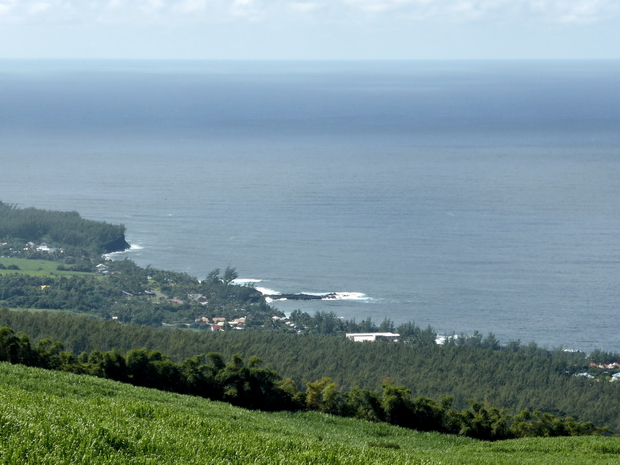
[{"x": 251, "y": 386}]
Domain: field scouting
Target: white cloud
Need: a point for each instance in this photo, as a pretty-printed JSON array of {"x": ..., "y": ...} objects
[
  {"x": 113, "y": 4},
  {"x": 561, "y": 11},
  {"x": 249, "y": 10},
  {"x": 583, "y": 12},
  {"x": 38, "y": 7},
  {"x": 578, "y": 11},
  {"x": 190, "y": 6},
  {"x": 272, "y": 29},
  {"x": 306, "y": 7},
  {"x": 243, "y": 7},
  {"x": 174, "y": 11},
  {"x": 6, "y": 6},
  {"x": 153, "y": 6},
  {"x": 377, "y": 6}
]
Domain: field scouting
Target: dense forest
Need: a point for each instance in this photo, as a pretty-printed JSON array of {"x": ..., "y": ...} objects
[
  {"x": 516, "y": 377},
  {"x": 253, "y": 387}
]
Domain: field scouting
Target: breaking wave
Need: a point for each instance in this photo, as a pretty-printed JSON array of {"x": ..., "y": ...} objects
[
  {"x": 347, "y": 296},
  {"x": 273, "y": 294}
]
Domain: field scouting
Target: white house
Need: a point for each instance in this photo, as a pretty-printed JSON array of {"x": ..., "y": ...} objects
[{"x": 360, "y": 337}]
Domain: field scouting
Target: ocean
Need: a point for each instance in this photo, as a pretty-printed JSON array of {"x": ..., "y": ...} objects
[{"x": 461, "y": 195}]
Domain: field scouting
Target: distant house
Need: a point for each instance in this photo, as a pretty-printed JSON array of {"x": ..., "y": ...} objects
[
  {"x": 216, "y": 328},
  {"x": 101, "y": 268},
  {"x": 219, "y": 319},
  {"x": 198, "y": 298},
  {"x": 372, "y": 337}
]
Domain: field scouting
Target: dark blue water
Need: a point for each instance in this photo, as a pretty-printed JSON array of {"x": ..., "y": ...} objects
[{"x": 464, "y": 195}]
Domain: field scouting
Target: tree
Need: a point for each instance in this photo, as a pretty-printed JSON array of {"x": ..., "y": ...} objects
[
  {"x": 364, "y": 404},
  {"x": 324, "y": 396},
  {"x": 482, "y": 422},
  {"x": 396, "y": 403},
  {"x": 229, "y": 275},
  {"x": 386, "y": 326},
  {"x": 213, "y": 277},
  {"x": 296, "y": 399},
  {"x": 10, "y": 346}
]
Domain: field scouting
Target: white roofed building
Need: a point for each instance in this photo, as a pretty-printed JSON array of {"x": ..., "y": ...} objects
[{"x": 372, "y": 337}]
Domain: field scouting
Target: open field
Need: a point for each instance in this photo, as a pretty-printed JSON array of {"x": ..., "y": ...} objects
[
  {"x": 59, "y": 418},
  {"x": 37, "y": 267}
]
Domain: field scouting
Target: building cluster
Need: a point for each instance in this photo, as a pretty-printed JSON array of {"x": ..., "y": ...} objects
[
  {"x": 39, "y": 248},
  {"x": 287, "y": 322},
  {"x": 217, "y": 323},
  {"x": 613, "y": 378},
  {"x": 607, "y": 366}
]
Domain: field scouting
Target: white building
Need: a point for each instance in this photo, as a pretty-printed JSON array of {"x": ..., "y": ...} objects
[{"x": 360, "y": 337}]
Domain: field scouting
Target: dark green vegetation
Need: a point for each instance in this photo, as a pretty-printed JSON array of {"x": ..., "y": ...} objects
[
  {"x": 149, "y": 296},
  {"x": 514, "y": 376},
  {"x": 57, "y": 229},
  {"x": 253, "y": 387},
  {"x": 143, "y": 296},
  {"x": 50, "y": 417}
]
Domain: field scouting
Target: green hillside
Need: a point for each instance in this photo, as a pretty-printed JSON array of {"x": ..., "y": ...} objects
[{"x": 51, "y": 417}]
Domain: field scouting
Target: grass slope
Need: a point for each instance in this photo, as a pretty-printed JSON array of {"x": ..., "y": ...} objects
[{"x": 51, "y": 417}]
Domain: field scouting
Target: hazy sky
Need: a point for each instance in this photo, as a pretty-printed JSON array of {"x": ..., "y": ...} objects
[{"x": 314, "y": 29}]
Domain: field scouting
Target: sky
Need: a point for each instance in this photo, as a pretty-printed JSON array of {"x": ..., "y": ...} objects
[{"x": 310, "y": 30}]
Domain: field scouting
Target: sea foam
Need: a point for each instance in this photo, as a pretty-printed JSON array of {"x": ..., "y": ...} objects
[
  {"x": 241, "y": 282},
  {"x": 262, "y": 290},
  {"x": 347, "y": 296},
  {"x": 120, "y": 253}
]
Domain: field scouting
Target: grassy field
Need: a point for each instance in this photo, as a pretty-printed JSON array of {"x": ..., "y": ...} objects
[
  {"x": 37, "y": 267},
  {"x": 58, "y": 418}
]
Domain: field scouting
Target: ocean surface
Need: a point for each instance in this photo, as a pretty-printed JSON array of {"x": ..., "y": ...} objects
[{"x": 462, "y": 195}]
